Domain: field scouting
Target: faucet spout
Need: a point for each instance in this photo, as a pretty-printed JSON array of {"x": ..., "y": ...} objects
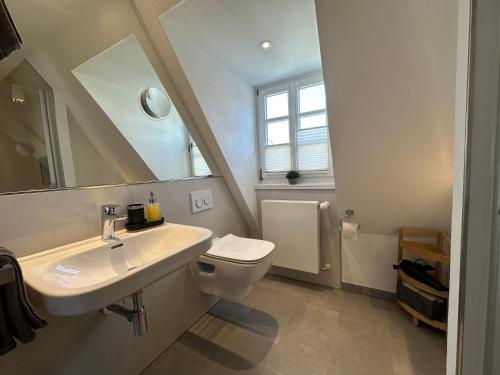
[{"x": 109, "y": 218}]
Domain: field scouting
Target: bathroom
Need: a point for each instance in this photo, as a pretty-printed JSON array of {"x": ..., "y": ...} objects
[{"x": 230, "y": 186}]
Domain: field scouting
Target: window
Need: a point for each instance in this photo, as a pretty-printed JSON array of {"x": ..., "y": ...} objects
[
  {"x": 199, "y": 166},
  {"x": 294, "y": 128}
]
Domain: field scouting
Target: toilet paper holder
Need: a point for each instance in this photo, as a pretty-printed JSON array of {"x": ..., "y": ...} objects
[{"x": 349, "y": 213}]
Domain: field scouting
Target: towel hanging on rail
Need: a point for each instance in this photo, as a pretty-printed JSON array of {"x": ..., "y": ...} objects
[
  {"x": 17, "y": 317},
  {"x": 10, "y": 40}
]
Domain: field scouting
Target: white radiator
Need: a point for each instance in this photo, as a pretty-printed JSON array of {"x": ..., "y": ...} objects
[{"x": 293, "y": 226}]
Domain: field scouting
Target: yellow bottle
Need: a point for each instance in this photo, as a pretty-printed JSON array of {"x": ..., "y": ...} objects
[{"x": 153, "y": 211}]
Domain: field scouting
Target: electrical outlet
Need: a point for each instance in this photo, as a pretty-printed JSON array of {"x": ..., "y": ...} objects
[{"x": 201, "y": 200}]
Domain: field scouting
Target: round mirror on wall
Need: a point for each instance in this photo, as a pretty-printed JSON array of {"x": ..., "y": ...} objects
[{"x": 155, "y": 103}]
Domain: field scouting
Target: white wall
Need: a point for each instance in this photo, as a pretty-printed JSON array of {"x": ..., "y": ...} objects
[
  {"x": 228, "y": 104},
  {"x": 95, "y": 343},
  {"x": 389, "y": 68},
  {"x": 367, "y": 261}
]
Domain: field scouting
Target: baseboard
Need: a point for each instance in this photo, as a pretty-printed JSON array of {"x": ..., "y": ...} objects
[
  {"x": 372, "y": 292},
  {"x": 323, "y": 278}
]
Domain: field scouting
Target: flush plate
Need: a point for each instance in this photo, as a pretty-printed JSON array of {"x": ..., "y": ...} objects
[{"x": 201, "y": 200}]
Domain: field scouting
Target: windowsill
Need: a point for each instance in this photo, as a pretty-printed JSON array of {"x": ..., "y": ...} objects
[{"x": 299, "y": 186}]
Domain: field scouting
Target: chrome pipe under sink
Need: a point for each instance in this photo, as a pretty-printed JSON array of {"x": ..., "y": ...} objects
[{"x": 137, "y": 316}]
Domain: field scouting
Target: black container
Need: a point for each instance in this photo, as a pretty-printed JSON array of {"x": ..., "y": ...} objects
[
  {"x": 144, "y": 225},
  {"x": 135, "y": 213},
  {"x": 433, "y": 308}
]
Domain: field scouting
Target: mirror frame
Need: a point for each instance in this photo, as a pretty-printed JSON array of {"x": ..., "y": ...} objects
[{"x": 90, "y": 187}]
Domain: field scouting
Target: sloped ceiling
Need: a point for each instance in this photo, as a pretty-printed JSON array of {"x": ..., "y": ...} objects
[
  {"x": 389, "y": 67},
  {"x": 230, "y": 31}
]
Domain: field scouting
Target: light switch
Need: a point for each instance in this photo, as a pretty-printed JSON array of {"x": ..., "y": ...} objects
[{"x": 201, "y": 200}]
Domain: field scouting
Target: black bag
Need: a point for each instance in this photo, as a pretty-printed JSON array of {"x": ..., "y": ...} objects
[
  {"x": 432, "y": 307},
  {"x": 420, "y": 272}
]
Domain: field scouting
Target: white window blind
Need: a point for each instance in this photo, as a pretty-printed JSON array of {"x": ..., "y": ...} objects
[
  {"x": 312, "y": 133},
  {"x": 277, "y": 153},
  {"x": 278, "y": 158},
  {"x": 312, "y": 149},
  {"x": 294, "y": 128},
  {"x": 199, "y": 166}
]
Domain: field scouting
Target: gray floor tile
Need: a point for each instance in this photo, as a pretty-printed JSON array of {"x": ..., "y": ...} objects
[{"x": 287, "y": 327}]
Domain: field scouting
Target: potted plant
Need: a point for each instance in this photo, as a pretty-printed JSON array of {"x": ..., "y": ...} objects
[{"x": 293, "y": 177}]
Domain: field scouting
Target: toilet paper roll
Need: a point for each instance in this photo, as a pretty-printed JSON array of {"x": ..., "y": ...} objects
[{"x": 350, "y": 230}]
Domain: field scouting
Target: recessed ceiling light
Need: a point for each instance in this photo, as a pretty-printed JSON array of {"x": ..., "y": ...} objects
[{"x": 266, "y": 44}]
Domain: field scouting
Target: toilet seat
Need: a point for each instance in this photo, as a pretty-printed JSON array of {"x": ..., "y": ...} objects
[
  {"x": 231, "y": 267},
  {"x": 234, "y": 249}
]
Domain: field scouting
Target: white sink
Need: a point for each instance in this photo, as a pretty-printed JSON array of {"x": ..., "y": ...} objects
[{"x": 89, "y": 275}]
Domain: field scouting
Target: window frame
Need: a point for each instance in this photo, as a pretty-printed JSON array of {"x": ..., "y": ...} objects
[{"x": 291, "y": 86}]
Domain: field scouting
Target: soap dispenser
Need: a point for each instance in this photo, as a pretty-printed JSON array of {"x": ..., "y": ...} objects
[{"x": 153, "y": 211}]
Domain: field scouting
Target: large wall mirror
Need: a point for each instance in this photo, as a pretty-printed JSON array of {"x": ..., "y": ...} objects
[{"x": 81, "y": 103}]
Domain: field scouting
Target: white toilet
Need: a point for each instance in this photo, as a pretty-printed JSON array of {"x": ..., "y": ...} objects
[{"x": 232, "y": 266}]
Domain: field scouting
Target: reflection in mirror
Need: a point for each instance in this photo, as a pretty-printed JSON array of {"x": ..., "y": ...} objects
[
  {"x": 156, "y": 103},
  {"x": 82, "y": 105},
  {"x": 24, "y": 131}
]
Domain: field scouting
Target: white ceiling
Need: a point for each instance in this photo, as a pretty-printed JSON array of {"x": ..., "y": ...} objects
[{"x": 230, "y": 32}]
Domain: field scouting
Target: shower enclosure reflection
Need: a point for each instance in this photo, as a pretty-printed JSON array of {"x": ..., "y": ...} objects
[{"x": 26, "y": 126}]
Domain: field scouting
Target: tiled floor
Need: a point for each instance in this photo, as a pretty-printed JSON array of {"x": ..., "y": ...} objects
[{"x": 288, "y": 327}]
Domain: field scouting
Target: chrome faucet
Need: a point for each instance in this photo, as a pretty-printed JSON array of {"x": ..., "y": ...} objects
[{"x": 109, "y": 218}]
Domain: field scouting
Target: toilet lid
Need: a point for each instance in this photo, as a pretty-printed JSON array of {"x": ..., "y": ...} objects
[{"x": 241, "y": 250}]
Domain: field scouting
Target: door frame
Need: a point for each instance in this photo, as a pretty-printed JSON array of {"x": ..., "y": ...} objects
[{"x": 476, "y": 335}]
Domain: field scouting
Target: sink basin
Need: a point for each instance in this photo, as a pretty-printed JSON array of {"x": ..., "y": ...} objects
[{"x": 88, "y": 275}]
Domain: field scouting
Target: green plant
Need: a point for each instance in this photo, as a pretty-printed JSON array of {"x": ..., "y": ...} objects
[{"x": 293, "y": 174}]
